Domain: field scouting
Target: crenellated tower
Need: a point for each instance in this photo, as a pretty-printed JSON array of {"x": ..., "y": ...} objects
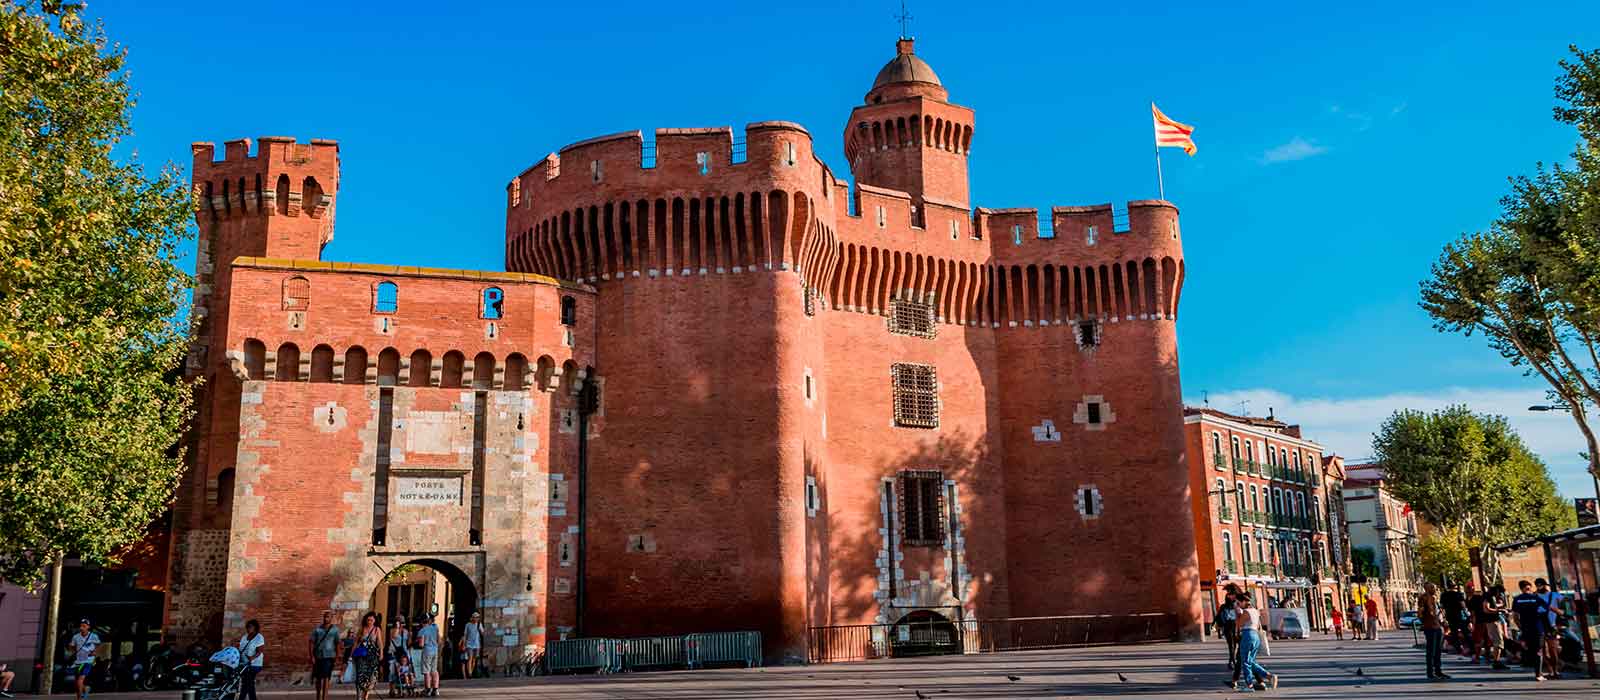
[{"x": 908, "y": 137}]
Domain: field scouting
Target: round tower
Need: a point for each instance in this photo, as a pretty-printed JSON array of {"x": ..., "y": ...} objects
[{"x": 908, "y": 136}]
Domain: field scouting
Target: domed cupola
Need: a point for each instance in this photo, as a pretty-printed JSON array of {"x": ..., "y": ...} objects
[
  {"x": 905, "y": 75},
  {"x": 908, "y": 137}
]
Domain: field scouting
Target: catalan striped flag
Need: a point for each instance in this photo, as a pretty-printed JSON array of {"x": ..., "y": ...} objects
[{"x": 1172, "y": 133}]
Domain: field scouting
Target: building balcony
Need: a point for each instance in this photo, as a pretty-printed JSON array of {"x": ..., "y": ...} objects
[
  {"x": 1225, "y": 514},
  {"x": 1230, "y": 566},
  {"x": 1219, "y": 461}
]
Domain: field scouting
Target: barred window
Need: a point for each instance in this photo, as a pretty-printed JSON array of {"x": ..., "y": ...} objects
[
  {"x": 907, "y": 317},
  {"x": 810, "y": 299},
  {"x": 296, "y": 293},
  {"x": 916, "y": 395},
  {"x": 922, "y": 507}
]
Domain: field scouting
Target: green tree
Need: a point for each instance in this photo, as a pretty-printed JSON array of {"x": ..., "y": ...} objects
[
  {"x": 1364, "y": 562},
  {"x": 91, "y": 404},
  {"x": 1444, "y": 555},
  {"x": 1472, "y": 475},
  {"x": 1530, "y": 284}
]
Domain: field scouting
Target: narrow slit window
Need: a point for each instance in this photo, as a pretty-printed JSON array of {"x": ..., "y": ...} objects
[
  {"x": 1091, "y": 235},
  {"x": 1016, "y": 235},
  {"x": 1094, "y": 412},
  {"x": 702, "y": 160},
  {"x": 596, "y": 171},
  {"x": 788, "y": 153},
  {"x": 569, "y": 311}
]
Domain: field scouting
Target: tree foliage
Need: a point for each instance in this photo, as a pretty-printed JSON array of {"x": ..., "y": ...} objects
[
  {"x": 1444, "y": 555},
  {"x": 1364, "y": 562},
  {"x": 1470, "y": 474},
  {"x": 91, "y": 404},
  {"x": 1530, "y": 284}
]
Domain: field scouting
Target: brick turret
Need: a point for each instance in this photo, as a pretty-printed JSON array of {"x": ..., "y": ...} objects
[{"x": 908, "y": 137}]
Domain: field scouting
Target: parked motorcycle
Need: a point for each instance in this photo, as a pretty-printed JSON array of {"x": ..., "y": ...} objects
[{"x": 169, "y": 670}]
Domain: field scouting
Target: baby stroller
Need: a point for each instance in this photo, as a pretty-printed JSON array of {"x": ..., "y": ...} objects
[
  {"x": 403, "y": 679},
  {"x": 223, "y": 679}
]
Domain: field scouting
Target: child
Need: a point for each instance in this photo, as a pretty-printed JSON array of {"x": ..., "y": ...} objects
[
  {"x": 1338, "y": 624},
  {"x": 405, "y": 675}
]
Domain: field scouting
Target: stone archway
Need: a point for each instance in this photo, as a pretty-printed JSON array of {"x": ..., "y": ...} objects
[
  {"x": 923, "y": 633},
  {"x": 426, "y": 588}
]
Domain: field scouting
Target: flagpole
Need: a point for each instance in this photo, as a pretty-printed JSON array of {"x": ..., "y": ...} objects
[{"x": 1161, "y": 185}]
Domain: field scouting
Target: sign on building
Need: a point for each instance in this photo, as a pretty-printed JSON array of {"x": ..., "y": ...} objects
[{"x": 427, "y": 491}]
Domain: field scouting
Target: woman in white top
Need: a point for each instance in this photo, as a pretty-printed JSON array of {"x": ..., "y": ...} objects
[
  {"x": 250, "y": 651},
  {"x": 1249, "y": 625}
]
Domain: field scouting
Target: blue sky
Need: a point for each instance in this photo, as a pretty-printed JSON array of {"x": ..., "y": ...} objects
[{"x": 1341, "y": 144}]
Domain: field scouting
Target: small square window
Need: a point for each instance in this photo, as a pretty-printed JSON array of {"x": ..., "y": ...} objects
[
  {"x": 907, "y": 317},
  {"x": 1088, "y": 334},
  {"x": 1094, "y": 412}
]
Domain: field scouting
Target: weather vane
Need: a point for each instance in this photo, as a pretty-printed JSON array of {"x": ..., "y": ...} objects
[{"x": 905, "y": 19}]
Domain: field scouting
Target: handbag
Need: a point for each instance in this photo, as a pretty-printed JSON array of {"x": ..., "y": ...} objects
[{"x": 349, "y": 675}]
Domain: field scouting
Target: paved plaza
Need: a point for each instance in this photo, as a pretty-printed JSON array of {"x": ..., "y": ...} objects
[{"x": 1309, "y": 669}]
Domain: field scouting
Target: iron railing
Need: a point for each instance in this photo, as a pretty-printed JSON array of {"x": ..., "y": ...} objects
[{"x": 937, "y": 636}]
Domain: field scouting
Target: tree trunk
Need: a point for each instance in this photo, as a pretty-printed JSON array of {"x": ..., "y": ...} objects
[{"x": 52, "y": 622}]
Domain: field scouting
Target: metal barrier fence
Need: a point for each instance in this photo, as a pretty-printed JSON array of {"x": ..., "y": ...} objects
[
  {"x": 724, "y": 647},
  {"x": 936, "y": 636},
  {"x": 592, "y": 654},
  {"x": 606, "y": 655}
]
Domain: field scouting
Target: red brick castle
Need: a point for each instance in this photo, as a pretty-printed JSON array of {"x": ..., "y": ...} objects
[{"x": 717, "y": 389}]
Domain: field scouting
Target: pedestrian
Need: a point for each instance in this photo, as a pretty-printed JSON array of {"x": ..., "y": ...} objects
[
  {"x": 250, "y": 650},
  {"x": 1430, "y": 612},
  {"x": 398, "y": 651},
  {"x": 82, "y": 646},
  {"x": 367, "y": 655},
  {"x": 1338, "y": 625},
  {"x": 324, "y": 651},
  {"x": 1532, "y": 618},
  {"x": 1454, "y": 604},
  {"x": 1358, "y": 620},
  {"x": 1494, "y": 625},
  {"x": 6, "y": 676},
  {"x": 428, "y": 636},
  {"x": 1225, "y": 619},
  {"x": 1372, "y": 619},
  {"x": 1250, "y": 635},
  {"x": 1552, "y": 632},
  {"x": 1477, "y": 630},
  {"x": 471, "y": 644}
]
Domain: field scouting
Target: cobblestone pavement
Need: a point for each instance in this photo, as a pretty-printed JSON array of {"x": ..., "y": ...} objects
[{"x": 1315, "y": 668}]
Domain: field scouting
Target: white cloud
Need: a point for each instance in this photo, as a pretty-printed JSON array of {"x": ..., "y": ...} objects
[
  {"x": 1296, "y": 149},
  {"x": 1345, "y": 426}
]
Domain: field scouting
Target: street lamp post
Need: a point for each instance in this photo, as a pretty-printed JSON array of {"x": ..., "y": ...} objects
[{"x": 1540, "y": 408}]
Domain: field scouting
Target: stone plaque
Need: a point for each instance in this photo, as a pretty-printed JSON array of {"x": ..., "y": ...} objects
[{"x": 424, "y": 491}]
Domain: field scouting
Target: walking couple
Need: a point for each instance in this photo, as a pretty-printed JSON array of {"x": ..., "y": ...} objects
[{"x": 1241, "y": 624}]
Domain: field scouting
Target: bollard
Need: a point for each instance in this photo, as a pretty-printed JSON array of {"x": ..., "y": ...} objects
[{"x": 188, "y": 695}]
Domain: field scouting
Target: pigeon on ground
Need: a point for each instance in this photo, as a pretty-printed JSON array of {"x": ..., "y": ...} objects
[
  {"x": 1358, "y": 671},
  {"x": 920, "y": 696},
  {"x": 1013, "y": 679},
  {"x": 1122, "y": 678}
]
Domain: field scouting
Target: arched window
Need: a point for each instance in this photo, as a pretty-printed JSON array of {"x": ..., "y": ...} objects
[
  {"x": 545, "y": 373},
  {"x": 1216, "y": 450},
  {"x": 1296, "y": 459},
  {"x": 483, "y": 371},
  {"x": 1300, "y": 504},
  {"x": 322, "y": 364},
  {"x": 421, "y": 369},
  {"x": 296, "y": 293},
  {"x": 493, "y": 301},
  {"x": 1283, "y": 457},
  {"x": 450, "y": 373},
  {"x": 1238, "y": 489},
  {"x": 1272, "y": 459},
  {"x": 255, "y": 359},
  {"x": 355, "y": 365},
  {"x": 1254, "y": 504},
  {"x": 388, "y": 367},
  {"x": 1244, "y": 541},
  {"x": 1248, "y": 454},
  {"x": 569, "y": 311},
  {"x": 385, "y": 298},
  {"x": 569, "y": 376},
  {"x": 288, "y": 364},
  {"x": 1227, "y": 548},
  {"x": 516, "y": 372}
]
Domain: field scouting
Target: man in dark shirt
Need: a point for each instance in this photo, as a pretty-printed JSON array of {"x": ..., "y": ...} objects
[
  {"x": 1532, "y": 618},
  {"x": 1454, "y": 603},
  {"x": 1428, "y": 611},
  {"x": 1225, "y": 618}
]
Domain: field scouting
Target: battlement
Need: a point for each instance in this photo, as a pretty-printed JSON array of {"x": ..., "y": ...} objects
[
  {"x": 274, "y": 175},
  {"x": 674, "y": 152}
]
